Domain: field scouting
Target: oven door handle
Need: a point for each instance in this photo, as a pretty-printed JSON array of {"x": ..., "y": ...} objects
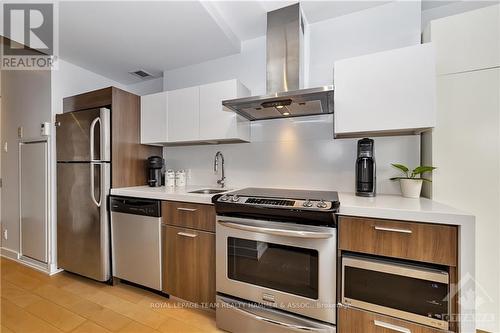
[
  {"x": 275, "y": 231},
  {"x": 291, "y": 327}
]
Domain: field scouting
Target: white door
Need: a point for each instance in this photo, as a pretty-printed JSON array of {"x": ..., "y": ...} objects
[
  {"x": 154, "y": 117},
  {"x": 33, "y": 203},
  {"x": 216, "y": 121},
  {"x": 183, "y": 114}
]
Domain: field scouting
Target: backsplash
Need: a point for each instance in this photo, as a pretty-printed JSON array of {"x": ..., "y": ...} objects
[{"x": 294, "y": 153}]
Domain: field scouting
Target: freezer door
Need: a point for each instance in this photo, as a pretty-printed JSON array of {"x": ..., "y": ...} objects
[
  {"x": 33, "y": 203},
  {"x": 83, "y": 245},
  {"x": 83, "y": 136}
]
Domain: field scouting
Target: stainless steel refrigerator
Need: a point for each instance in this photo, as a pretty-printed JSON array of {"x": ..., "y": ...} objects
[{"x": 83, "y": 184}]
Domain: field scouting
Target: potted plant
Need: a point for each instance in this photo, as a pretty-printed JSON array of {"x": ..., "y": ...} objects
[{"x": 411, "y": 186}]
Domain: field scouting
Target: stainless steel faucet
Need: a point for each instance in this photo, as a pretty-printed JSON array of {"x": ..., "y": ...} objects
[{"x": 222, "y": 180}]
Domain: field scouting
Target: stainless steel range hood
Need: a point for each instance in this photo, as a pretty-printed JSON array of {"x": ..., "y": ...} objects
[{"x": 285, "y": 96}]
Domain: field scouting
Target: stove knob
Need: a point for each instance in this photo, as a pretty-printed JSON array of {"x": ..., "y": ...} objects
[
  {"x": 225, "y": 197},
  {"x": 322, "y": 204},
  {"x": 235, "y": 198},
  {"x": 307, "y": 203}
]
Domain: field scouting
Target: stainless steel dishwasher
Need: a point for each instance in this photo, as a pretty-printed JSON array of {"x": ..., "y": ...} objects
[{"x": 136, "y": 240}]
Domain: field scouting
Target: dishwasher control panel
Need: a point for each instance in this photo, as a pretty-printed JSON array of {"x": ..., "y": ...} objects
[{"x": 135, "y": 206}]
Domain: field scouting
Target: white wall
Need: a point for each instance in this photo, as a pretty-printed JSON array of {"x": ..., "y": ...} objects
[
  {"x": 25, "y": 102},
  {"x": 390, "y": 26},
  {"x": 294, "y": 153},
  {"x": 302, "y": 152},
  {"x": 249, "y": 67},
  {"x": 146, "y": 87}
]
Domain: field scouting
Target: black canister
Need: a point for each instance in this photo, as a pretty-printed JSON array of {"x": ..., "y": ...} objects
[
  {"x": 366, "y": 178},
  {"x": 155, "y": 171}
]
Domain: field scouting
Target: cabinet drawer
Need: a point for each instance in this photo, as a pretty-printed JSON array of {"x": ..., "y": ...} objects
[
  {"x": 407, "y": 240},
  {"x": 358, "y": 321},
  {"x": 188, "y": 264},
  {"x": 189, "y": 215}
]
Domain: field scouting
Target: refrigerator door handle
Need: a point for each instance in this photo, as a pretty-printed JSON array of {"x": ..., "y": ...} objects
[
  {"x": 92, "y": 130},
  {"x": 92, "y": 186}
]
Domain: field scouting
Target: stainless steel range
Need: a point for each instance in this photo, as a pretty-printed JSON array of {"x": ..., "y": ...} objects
[{"x": 276, "y": 260}]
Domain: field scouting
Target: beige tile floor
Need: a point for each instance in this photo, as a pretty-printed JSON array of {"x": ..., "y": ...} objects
[{"x": 32, "y": 302}]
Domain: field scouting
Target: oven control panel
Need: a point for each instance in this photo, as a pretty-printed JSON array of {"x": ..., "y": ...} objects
[{"x": 276, "y": 202}]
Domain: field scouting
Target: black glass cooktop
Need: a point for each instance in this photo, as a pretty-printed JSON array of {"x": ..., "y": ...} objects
[{"x": 331, "y": 196}]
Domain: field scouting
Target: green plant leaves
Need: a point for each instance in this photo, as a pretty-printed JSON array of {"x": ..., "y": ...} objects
[
  {"x": 417, "y": 171},
  {"x": 421, "y": 169},
  {"x": 400, "y": 167}
]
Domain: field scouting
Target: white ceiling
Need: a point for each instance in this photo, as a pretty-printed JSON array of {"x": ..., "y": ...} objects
[{"x": 113, "y": 38}]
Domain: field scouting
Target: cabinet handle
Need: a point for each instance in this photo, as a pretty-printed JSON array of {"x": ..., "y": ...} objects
[
  {"x": 185, "y": 234},
  {"x": 391, "y": 327},
  {"x": 187, "y": 209},
  {"x": 401, "y": 231}
]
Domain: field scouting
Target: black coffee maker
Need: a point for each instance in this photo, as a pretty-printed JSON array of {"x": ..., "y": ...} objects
[
  {"x": 366, "y": 178},
  {"x": 155, "y": 171}
]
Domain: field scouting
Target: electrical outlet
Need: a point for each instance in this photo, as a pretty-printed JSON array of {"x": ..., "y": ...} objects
[{"x": 5, "y": 234}]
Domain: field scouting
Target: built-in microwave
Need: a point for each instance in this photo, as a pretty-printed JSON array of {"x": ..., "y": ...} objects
[{"x": 405, "y": 290}]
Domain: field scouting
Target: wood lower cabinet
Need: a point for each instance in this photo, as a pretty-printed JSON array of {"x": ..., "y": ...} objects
[
  {"x": 352, "y": 320},
  {"x": 189, "y": 215},
  {"x": 188, "y": 257},
  {"x": 430, "y": 243}
]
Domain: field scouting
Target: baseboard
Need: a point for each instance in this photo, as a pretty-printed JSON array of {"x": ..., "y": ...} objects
[
  {"x": 479, "y": 331},
  {"x": 10, "y": 254},
  {"x": 31, "y": 263}
]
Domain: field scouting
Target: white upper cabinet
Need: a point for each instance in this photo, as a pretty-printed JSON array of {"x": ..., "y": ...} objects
[
  {"x": 467, "y": 41},
  {"x": 154, "y": 118},
  {"x": 216, "y": 121},
  {"x": 386, "y": 93},
  {"x": 194, "y": 115},
  {"x": 183, "y": 114}
]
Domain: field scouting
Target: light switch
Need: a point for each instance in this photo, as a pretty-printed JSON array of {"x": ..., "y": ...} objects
[
  {"x": 45, "y": 129},
  {"x": 20, "y": 131}
]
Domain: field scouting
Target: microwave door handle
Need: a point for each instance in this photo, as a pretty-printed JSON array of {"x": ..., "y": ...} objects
[
  {"x": 278, "y": 232},
  {"x": 291, "y": 327},
  {"x": 391, "y": 326}
]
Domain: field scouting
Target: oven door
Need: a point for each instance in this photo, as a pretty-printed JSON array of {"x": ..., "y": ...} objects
[{"x": 283, "y": 265}]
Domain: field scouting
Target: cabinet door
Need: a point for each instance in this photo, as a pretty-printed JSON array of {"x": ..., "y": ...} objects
[
  {"x": 189, "y": 264},
  {"x": 468, "y": 41},
  {"x": 154, "y": 117},
  {"x": 216, "y": 121},
  {"x": 392, "y": 91},
  {"x": 183, "y": 114}
]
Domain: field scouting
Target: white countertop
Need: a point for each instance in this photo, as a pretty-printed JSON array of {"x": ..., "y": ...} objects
[
  {"x": 382, "y": 206},
  {"x": 399, "y": 208},
  {"x": 167, "y": 193}
]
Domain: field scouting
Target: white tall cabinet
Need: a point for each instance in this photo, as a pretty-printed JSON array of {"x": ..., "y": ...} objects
[
  {"x": 194, "y": 115},
  {"x": 465, "y": 144}
]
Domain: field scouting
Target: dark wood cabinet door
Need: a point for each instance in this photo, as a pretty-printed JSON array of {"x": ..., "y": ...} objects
[
  {"x": 431, "y": 243},
  {"x": 189, "y": 264},
  {"x": 189, "y": 215}
]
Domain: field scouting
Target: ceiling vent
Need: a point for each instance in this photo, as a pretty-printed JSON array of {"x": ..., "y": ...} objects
[{"x": 142, "y": 74}]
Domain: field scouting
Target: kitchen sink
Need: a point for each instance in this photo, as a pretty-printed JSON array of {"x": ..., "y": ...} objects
[{"x": 209, "y": 191}]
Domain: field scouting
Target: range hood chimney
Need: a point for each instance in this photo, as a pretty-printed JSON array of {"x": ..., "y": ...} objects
[{"x": 284, "y": 74}]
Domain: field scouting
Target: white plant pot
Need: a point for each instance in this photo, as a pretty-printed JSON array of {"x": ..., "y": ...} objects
[{"x": 411, "y": 188}]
